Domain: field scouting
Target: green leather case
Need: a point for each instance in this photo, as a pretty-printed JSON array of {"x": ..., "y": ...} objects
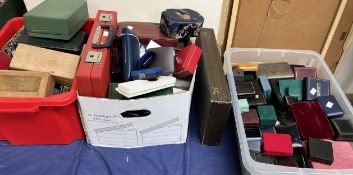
[
  {"x": 267, "y": 115},
  {"x": 296, "y": 89},
  {"x": 56, "y": 19},
  {"x": 291, "y": 88}
]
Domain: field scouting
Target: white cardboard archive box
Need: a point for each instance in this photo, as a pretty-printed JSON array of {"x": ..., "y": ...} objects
[{"x": 167, "y": 124}]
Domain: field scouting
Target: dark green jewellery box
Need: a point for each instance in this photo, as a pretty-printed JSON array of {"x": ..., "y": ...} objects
[{"x": 56, "y": 19}]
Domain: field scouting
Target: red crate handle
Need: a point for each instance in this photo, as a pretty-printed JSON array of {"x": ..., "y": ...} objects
[{"x": 31, "y": 109}]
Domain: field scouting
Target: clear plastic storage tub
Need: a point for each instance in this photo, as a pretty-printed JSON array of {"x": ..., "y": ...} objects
[{"x": 304, "y": 57}]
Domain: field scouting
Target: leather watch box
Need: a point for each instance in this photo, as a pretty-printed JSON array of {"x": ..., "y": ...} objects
[
  {"x": 245, "y": 89},
  {"x": 251, "y": 119},
  {"x": 181, "y": 23},
  {"x": 61, "y": 65},
  {"x": 259, "y": 95},
  {"x": 278, "y": 70},
  {"x": 311, "y": 120},
  {"x": 342, "y": 156},
  {"x": 56, "y": 19},
  {"x": 74, "y": 45},
  {"x": 313, "y": 88},
  {"x": 211, "y": 93},
  {"x": 146, "y": 32},
  {"x": 320, "y": 151},
  {"x": 330, "y": 106},
  {"x": 343, "y": 129},
  {"x": 267, "y": 115},
  {"x": 93, "y": 73},
  {"x": 301, "y": 72},
  {"x": 186, "y": 60},
  {"x": 25, "y": 84}
]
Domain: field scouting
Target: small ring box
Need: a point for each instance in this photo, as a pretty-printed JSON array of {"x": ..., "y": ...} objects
[
  {"x": 267, "y": 115},
  {"x": 320, "y": 151},
  {"x": 250, "y": 119},
  {"x": 277, "y": 144},
  {"x": 330, "y": 106},
  {"x": 343, "y": 128}
]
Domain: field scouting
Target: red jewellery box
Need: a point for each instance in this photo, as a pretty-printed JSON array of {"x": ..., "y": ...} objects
[
  {"x": 48, "y": 120},
  {"x": 93, "y": 73},
  {"x": 186, "y": 60}
]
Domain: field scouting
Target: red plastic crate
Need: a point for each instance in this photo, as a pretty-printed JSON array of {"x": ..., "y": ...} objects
[{"x": 49, "y": 120}]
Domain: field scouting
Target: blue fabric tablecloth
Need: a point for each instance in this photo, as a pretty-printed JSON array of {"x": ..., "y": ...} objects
[{"x": 80, "y": 158}]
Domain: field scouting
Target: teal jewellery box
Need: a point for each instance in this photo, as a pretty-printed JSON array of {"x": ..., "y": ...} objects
[{"x": 56, "y": 19}]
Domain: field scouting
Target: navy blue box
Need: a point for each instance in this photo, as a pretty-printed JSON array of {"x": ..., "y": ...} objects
[
  {"x": 330, "y": 106},
  {"x": 147, "y": 74},
  {"x": 181, "y": 23},
  {"x": 314, "y": 88}
]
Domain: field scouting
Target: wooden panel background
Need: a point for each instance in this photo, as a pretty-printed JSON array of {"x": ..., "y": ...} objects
[{"x": 304, "y": 26}]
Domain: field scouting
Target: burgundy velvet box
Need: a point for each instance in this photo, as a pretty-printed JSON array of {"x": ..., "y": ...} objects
[
  {"x": 301, "y": 72},
  {"x": 147, "y": 32},
  {"x": 311, "y": 120},
  {"x": 250, "y": 119},
  {"x": 277, "y": 144}
]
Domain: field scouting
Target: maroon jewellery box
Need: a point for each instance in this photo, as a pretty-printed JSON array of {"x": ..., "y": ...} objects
[
  {"x": 311, "y": 120},
  {"x": 186, "y": 60}
]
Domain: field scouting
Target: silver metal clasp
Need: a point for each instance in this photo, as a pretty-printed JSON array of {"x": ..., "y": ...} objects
[
  {"x": 105, "y": 17},
  {"x": 94, "y": 57}
]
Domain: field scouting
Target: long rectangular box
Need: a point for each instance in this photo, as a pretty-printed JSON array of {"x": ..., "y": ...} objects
[
  {"x": 307, "y": 58},
  {"x": 212, "y": 97}
]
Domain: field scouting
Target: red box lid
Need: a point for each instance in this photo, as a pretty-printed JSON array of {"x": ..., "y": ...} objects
[
  {"x": 277, "y": 144},
  {"x": 186, "y": 60}
]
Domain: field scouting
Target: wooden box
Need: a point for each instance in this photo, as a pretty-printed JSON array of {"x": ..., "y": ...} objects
[
  {"x": 61, "y": 65},
  {"x": 25, "y": 84}
]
